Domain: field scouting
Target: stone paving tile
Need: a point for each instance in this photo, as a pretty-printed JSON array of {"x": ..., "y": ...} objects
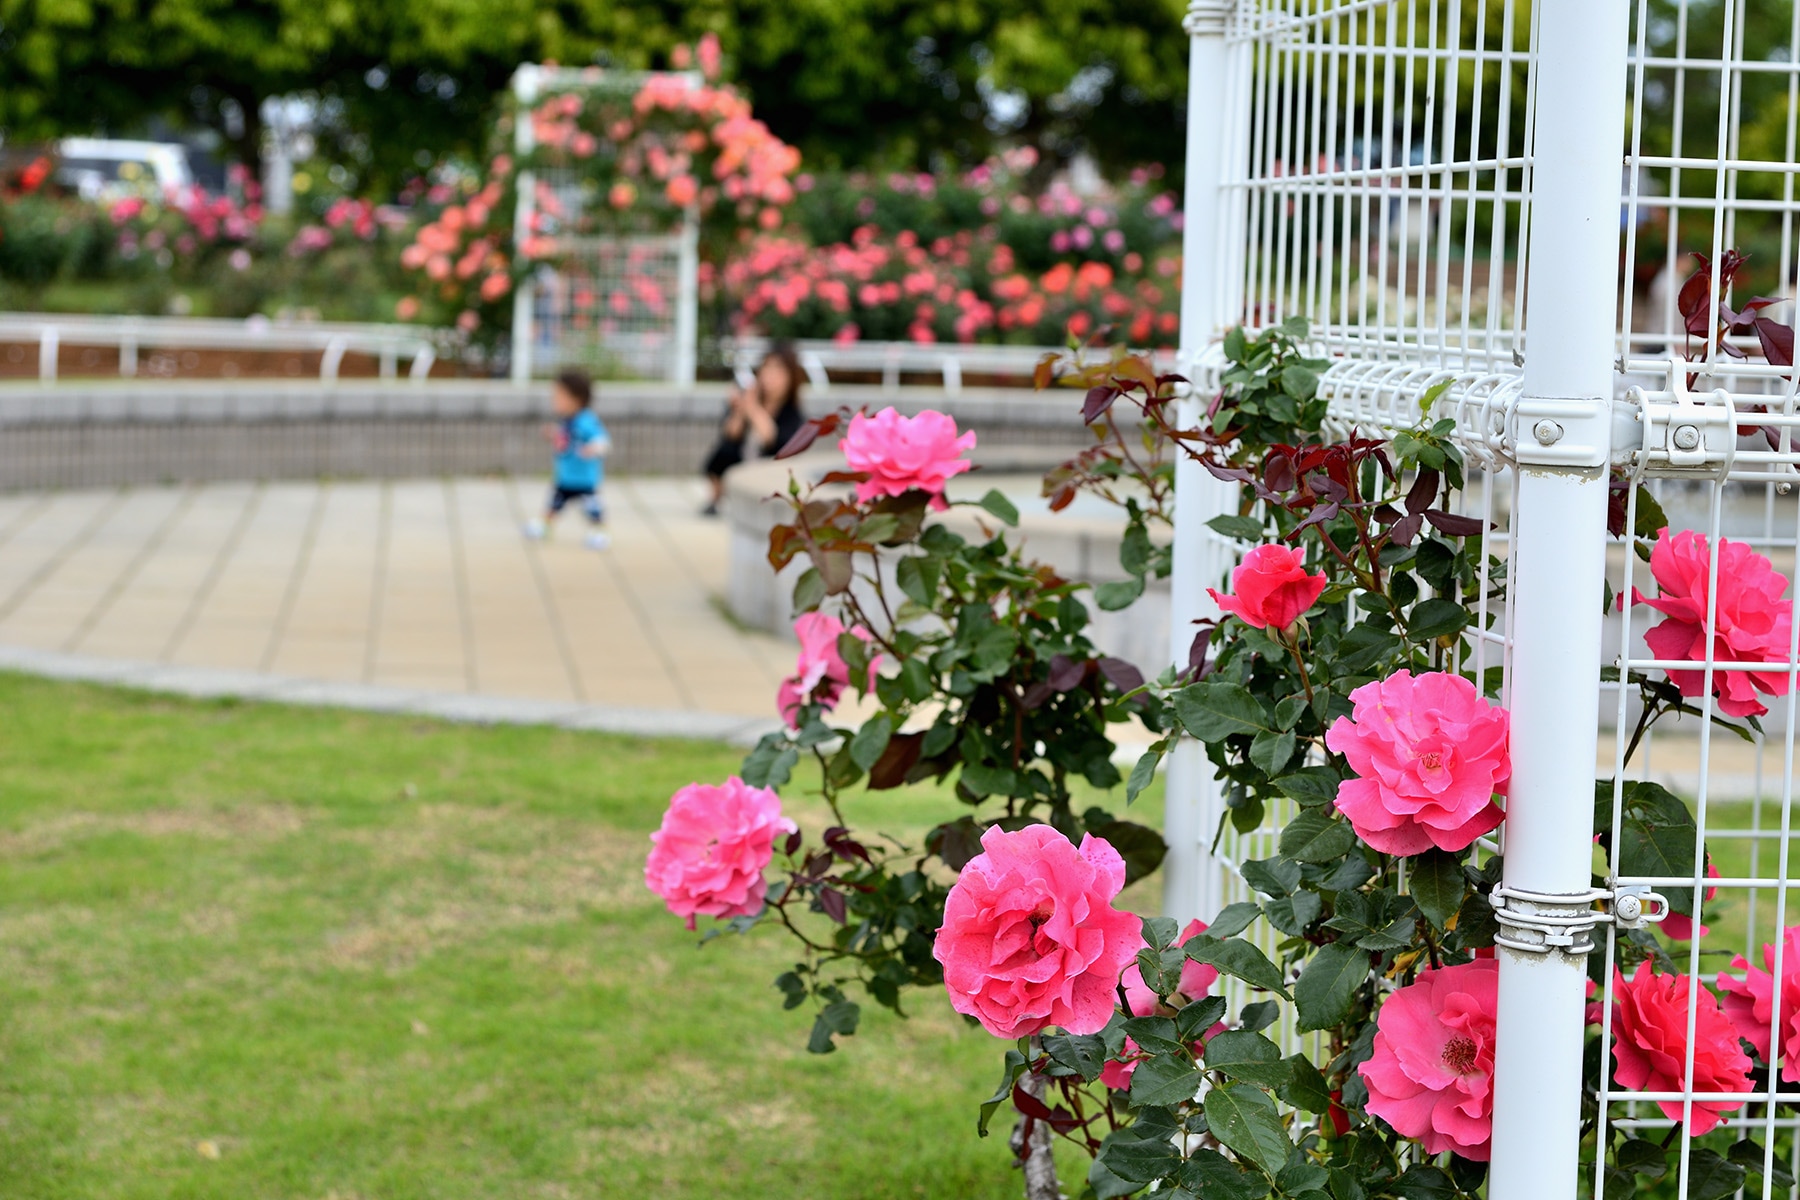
[{"x": 411, "y": 595}]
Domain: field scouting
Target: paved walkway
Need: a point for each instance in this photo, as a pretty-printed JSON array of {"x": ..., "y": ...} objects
[{"x": 417, "y": 595}]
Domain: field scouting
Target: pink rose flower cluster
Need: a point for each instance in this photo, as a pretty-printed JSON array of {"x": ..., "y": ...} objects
[
  {"x": 1431, "y": 1074},
  {"x": 1271, "y": 588},
  {"x": 961, "y": 286},
  {"x": 1430, "y": 753},
  {"x": 1030, "y": 938},
  {"x": 821, "y": 675},
  {"x": 708, "y": 857},
  {"x": 1752, "y": 620},
  {"x": 464, "y": 255},
  {"x": 905, "y": 454}
]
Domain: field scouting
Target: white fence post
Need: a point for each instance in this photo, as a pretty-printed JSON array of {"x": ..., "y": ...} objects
[
  {"x": 1217, "y": 78},
  {"x": 1562, "y": 435},
  {"x": 525, "y": 89},
  {"x": 687, "y": 308}
]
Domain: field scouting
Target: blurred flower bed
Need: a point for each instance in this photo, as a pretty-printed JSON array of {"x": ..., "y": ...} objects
[{"x": 1000, "y": 253}]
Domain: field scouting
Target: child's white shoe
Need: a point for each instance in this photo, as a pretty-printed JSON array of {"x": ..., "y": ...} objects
[
  {"x": 598, "y": 540},
  {"x": 533, "y": 529}
]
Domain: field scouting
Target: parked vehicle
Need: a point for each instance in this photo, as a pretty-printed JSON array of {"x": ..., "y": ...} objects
[{"x": 106, "y": 168}]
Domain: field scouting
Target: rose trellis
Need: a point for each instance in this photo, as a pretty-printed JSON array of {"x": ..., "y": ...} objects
[{"x": 1458, "y": 958}]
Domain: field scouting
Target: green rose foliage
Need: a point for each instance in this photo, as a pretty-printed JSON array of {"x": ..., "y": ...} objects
[{"x": 991, "y": 685}]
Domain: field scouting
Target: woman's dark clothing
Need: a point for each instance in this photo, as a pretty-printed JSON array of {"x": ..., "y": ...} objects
[{"x": 728, "y": 453}]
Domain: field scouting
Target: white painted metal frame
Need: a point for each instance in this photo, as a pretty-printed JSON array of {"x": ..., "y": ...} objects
[{"x": 1437, "y": 186}]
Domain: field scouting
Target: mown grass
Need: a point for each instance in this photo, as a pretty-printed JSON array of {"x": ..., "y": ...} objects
[{"x": 251, "y": 951}]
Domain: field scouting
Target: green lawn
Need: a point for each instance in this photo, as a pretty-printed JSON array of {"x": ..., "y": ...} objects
[{"x": 258, "y": 952}]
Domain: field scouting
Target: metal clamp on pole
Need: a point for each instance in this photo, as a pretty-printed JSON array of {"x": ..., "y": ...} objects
[{"x": 1538, "y": 923}]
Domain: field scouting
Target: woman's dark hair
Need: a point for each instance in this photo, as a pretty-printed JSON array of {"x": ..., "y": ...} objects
[
  {"x": 782, "y": 351},
  {"x": 577, "y": 385}
]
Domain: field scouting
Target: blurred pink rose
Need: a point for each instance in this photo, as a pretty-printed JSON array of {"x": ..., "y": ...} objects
[
  {"x": 1429, "y": 754},
  {"x": 495, "y": 286},
  {"x": 709, "y": 855},
  {"x": 821, "y": 675},
  {"x": 468, "y": 320},
  {"x": 406, "y": 308},
  {"x": 1431, "y": 1076},
  {"x": 1650, "y": 1044},
  {"x": 1271, "y": 587},
  {"x": 1752, "y": 621},
  {"x": 682, "y": 190},
  {"x": 903, "y": 454},
  {"x": 708, "y": 54},
  {"x": 1030, "y": 937},
  {"x": 1749, "y": 1002}
]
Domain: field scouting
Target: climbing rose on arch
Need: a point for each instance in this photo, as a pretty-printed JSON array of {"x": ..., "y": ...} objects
[
  {"x": 1431, "y": 1076},
  {"x": 1271, "y": 588},
  {"x": 1030, "y": 938},
  {"x": 1752, "y": 618},
  {"x": 821, "y": 675},
  {"x": 1430, "y": 753},
  {"x": 904, "y": 454},
  {"x": 709, "y": 855}
]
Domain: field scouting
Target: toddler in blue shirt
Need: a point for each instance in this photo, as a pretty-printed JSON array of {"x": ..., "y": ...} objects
[{"x": 581, "y": 445}]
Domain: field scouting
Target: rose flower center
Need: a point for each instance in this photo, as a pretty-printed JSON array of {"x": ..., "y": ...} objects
[
  {"x": 1431, "y": 760},
  {"x": 1459, "y": 1054},
  {"x": 1043, "y": 912}
]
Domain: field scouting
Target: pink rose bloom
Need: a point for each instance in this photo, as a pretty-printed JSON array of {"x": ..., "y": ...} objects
[
  {"x": 1749, "y": 1002},
  {"x": 1196, "y": 981},
  {"x": 903, "y": 454},
  {"x": 1431, "y": 1076},
  {"x": 821, "y": 675},
  {"x": 1030, "y": 937},
  {"x": 709, "y": 855},
  {"x": 1752, "y": 621},
  {"x": 1271, "y": 588},
  {"x": 1430, "y": 753},
  {"x": 1650, "y": 1044}
]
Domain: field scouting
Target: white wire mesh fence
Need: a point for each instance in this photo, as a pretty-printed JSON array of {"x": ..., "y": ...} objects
[
  {"x": 1428, "y": 182},
  {"x": 619, "y": 304}
]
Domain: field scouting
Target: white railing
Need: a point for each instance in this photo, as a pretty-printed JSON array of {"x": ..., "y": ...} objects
[
  {"x": 387, "y": 343},
  {"x": 950, "y": 362}
]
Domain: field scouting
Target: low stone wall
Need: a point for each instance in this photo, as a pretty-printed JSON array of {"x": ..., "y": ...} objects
[{"x": 97, "y": 435}]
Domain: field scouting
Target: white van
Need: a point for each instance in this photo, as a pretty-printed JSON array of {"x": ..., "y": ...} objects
[{"x": 104, "y": 168}]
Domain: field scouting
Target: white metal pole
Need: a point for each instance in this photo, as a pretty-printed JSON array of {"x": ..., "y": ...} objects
[
  {"x": 1192, "y": 884},
  {"x": 1558, "y": 567},
  {"x": 687, "y": 308},
  {"x": 525, "y": 89}
]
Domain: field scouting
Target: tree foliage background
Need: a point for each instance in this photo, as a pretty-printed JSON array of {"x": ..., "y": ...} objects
[{"x": 905, "y": 83}]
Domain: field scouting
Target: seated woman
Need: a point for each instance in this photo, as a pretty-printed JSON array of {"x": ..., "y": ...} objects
[{"x": 760, "y": 420}]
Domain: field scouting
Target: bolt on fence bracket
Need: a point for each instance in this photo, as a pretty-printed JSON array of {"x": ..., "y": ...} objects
[
  {"x": 1573, "y": 433},
  {"x": 1538, "y": 923}
]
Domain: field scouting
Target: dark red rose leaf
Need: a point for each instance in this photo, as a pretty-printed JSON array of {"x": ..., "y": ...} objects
[
  {"x": 1777, "y": 341},
  {"x": 793, "y": 842},
  {"x": 1198, "y": 667},
  {"x": 809, "y": 433},
  {"x": 1424, "y": 491},
  {"x": 1454, "y": 524},
  {"x": 832, "y": 901},
  {"x": 891, "y": 769},
  {"x": 1121, "y": 674},
  {"x": 1099, "y": 400},
  {"x": 1036, "y": 694},
  {"x": 1229, "y": 474},
  {"x": 955, "y": 842},
  {"x": 1066, "y": 673},
  {"x": 1405, "y": 529}
]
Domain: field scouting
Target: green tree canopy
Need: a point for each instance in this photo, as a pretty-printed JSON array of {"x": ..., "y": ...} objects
[{"x": 851, "y": 82}]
